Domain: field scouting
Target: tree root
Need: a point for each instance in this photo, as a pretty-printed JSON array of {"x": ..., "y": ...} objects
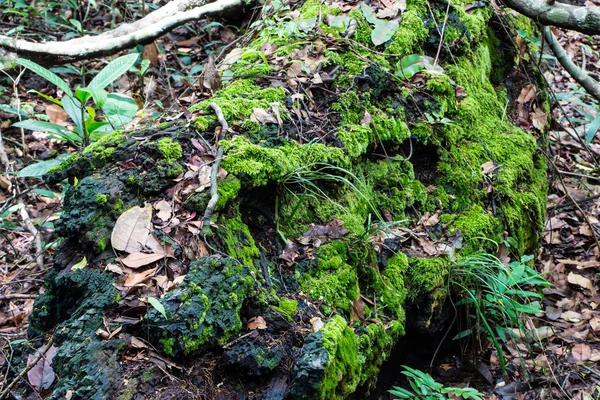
[{"x": 145, "y": 30}]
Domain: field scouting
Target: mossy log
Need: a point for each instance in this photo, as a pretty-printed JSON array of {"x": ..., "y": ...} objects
[{"x": 363, "y": 147}]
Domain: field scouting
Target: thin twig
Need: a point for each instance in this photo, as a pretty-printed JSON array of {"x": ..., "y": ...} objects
[
  {"x": 589, "y": 84},
  {"x": 36, "y": 235},
  {"x": 18, "y": 296},
  {"x": 26, "y": 369},
  {"x": 214, "y": 172}
]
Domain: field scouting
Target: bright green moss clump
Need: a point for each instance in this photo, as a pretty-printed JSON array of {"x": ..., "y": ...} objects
[
  {"x": 288, "y": 306},
  {"x": 343, "y": 372},
  {"x": 257, "y": 165},
  {"x": 170, "y": 150}
]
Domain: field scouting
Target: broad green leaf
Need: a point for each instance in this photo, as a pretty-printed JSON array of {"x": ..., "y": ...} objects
[
  {"x": 594, "y": 126},
  {"x": 9, "y": 211},
  {"x": 37, "y": 170},
  {"x": 369, "y": 14},
  {"x": 40, "y": 126},
  {"x": 73, "y": 107},
  {"x": 113, "y": 71},
  {"x": 119, "y": 109},
  {"x": 46, "y": 74},
  {"x": 383, "y": 32},
  {"x": 99, "y": 95},
  {"x": 44, "y": 193},
  {"x": 12, "y": 110},
  {"x": 154, "y": 302}
]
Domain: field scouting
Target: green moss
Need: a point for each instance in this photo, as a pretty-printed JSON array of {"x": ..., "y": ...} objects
[
  {"x": 256, "y": 164},
  {"x": 130, "y": 390},
  {"x": 228, "y": 190},
  {"x": 170, "y": 150},
  {"x": 411, "y": 33},
  {"x": 426, "y": 275},
  {"x": 288, "y": 306},
  {"x": 101, "y": 199},
  {"x": 335, "y": 282},
  {"x": 167, "y": 344},
  {"x": 100, "y": 245},
  {"x": 342, "y": 374},
  {"x": 316, "y": 8},
  {"x": 238, "y": 239},
  {"x": 239, "y": 99}
]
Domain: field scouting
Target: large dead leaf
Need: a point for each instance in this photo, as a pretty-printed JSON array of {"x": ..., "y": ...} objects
[
  {"x": 257, "y": 323},
  {"x": 56, "y": 114},
  {"x": 164, "y": 210},
  {"x": 135, "y": 279},
  {"x": 139, "y": 259},
  {"x": 132, "y": 229},
  {"x": 576, "y": 279},
  {"x": 42, "y": 375}
]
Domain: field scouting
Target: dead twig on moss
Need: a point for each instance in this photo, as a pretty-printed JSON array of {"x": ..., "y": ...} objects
[{"x": 214, "y": 172}]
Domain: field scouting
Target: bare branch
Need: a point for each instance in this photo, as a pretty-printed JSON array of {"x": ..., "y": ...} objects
[
  {"x": 155, "y": 24},
  {"x": 588, "y": 83},
  {"x": 549, "y": 12}
]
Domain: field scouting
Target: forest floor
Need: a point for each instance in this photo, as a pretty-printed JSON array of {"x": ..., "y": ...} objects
[{"x": 559, "y": 359}]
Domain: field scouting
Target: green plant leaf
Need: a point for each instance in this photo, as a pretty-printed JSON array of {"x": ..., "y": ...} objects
[
  {"x": 99, "y": 95},
  {"x": 113, "y": 71},
  {"x": 157, "y": 305},
  {"x": 383, "y": 32},
  {"x": 73, "y": 107},
  {"x": 594, "y": 126},
  {"x": 119, "y": 109},
  {"x": 46, "y": 74},
  {"x": 38, "y": 169},
  {"x": 40, "y": 126}
]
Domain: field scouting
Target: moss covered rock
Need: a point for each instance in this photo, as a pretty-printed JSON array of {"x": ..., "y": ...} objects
[{"x": 336, "y": 227}]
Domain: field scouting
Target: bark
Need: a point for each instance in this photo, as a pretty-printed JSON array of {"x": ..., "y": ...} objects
[{"x": 585, "y": 19}]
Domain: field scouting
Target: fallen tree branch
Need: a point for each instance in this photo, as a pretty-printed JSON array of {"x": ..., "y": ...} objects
[
  {"x": 214, "y": 172},
  {"x": 145, "y": 30},
  {"x": 550, "y": 12},
  {"x": 587, "y": 82}
]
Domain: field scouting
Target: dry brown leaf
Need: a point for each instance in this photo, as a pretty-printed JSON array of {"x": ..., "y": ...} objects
[
  {"x": 527, "y": 94},
  {"x": 581, "y": 352},
  {"x": 164, "y": 210},
  {"x": 211, "y": 77},
  {"x": 357, "y": 311},
  {"x": 231, "y": 58},
  {"x": 150, "y": 53},
  {"x": 137, "y": 343},
  {"x": 41, "y": 375},
  {"x": 539, "y": 118},
  {"x": 135, "y": 279},
  {"x": 56, "y": 114},
  {"x": 257, "y": 323},
  {"x": 132, "y": 229},
  {"x": 317, "y": 324},
  {"x": 263, "y": 116},
  {"x": 139, "y": 259},
  {"x": 576, "y": 279}
]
